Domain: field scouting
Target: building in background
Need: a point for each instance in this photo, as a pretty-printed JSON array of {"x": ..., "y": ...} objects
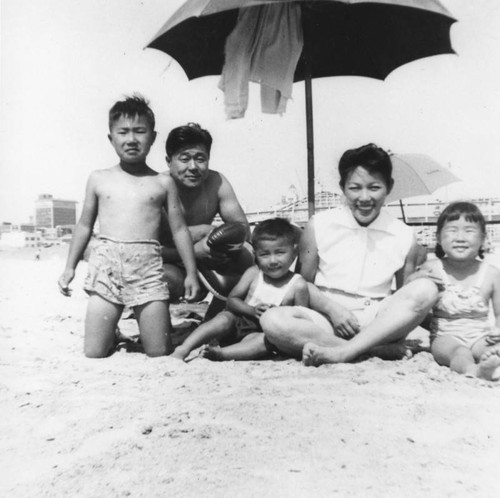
[{"x": 53, "y": 213}]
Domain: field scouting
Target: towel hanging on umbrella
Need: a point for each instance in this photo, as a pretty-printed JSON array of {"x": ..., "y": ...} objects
[{"x": 264, "y": 47}]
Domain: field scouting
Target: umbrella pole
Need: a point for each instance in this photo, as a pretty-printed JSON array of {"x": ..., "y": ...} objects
[
  {"x": 402, "y": 210},
  {"x": 310, "y": 143}
]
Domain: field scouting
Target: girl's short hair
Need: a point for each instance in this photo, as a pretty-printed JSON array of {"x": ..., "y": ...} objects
[
  {"x": 187, "y": 136},
  {"x": 371, "y": 157},
  {"x": 273, "y": 229},
  {"x": 455, "y": 211}
]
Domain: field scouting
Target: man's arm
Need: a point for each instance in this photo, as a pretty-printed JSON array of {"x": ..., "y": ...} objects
[
  {"x": 182, "y": 238},
  {"x": 198, "y": 233},
  {"x": 229, "y": 206},
  {"x": 81, "y": 235}
]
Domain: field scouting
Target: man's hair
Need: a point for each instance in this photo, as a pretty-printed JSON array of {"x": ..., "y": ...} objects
[
  {"x": 187, "y": 136},
  {"x": 455, "y": 211},
  {"x": 130, "y": 107},
  {"x": 371, "y": 157},
  {"x": 273, "y": 229}
]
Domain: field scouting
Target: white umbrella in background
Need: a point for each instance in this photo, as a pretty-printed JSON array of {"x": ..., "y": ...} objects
[{"x": 417, "y": 174}]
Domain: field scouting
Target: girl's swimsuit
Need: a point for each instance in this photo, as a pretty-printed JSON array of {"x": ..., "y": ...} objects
[{"x": 461, "y": 312}]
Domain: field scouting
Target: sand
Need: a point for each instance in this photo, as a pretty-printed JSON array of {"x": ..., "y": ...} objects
[{"x": 134, "y": 426}]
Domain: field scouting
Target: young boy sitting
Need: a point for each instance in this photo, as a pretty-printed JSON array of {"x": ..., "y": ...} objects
[
  {"x": 125, "y": 266},
  {"x": 270, "y": 283}
]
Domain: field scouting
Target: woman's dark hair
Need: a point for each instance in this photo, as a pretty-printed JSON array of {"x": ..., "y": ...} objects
[
  {"x": 371, "y": 157},
  {"x": 453, "y": 212},
  {"x": 187, "y": 136},
  {"x": 273, "y": 229}
]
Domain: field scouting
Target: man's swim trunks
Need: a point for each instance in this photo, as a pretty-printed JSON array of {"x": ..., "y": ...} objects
[{"x": 126, "y": 272}]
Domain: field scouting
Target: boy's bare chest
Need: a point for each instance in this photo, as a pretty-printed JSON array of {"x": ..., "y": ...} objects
[{"x": 135, "y": 191}]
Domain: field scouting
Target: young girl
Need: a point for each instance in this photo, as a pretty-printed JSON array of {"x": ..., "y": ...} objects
[
  {"x": 269, "y": 283},
  {"x": 462, "y": 336}
]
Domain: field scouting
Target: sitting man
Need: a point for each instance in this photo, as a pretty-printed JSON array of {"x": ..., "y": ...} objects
[{"x": 203, "y": 194}]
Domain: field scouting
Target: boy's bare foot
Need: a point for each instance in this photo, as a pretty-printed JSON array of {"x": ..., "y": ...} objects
[
  {"x": 180, "y": 353},
  {"x": 314, "y": 355},
  {"x": 213, "y": 353},
  {"x": 489, "y": 364}
]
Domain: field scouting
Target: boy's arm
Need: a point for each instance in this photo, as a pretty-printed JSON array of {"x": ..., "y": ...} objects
[
  {"x": 81, "y": 235},
  {"x": 182, "y": 239},
  {"x": 235, "y": 301}
]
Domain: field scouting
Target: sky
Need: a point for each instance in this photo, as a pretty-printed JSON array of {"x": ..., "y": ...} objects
[{"x": 65, "y": 62}]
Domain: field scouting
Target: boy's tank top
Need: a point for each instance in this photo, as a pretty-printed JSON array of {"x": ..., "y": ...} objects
[{"x": 265, "y": 293}]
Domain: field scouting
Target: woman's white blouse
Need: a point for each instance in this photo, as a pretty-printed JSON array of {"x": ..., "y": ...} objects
[{"x": 360, "y": 260}]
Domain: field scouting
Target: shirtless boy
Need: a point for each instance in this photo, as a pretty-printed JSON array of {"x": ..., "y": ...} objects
[
  {"x": 125, "y": 267},
  {"x": 203, "y": 194}
]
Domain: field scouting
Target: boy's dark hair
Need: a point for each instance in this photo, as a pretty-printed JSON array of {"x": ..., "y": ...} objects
[
  {"x": 371, "y": 157},
  {"x": 453, "y": 212},
  {"x": 187, "y": 136},
  {"x": 273, "y": 229},
  {"x": 130, "y": 107}
]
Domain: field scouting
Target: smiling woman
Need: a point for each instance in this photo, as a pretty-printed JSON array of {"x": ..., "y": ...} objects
[{"x": 352, "y": 255}]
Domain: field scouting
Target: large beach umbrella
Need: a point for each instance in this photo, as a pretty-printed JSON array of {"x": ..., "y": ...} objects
[
  {"x": 417, "y": 174},
  {"x": 367, "y": 38}
]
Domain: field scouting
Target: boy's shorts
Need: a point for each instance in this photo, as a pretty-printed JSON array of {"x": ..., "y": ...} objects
[{"x": 128, "y": 272}]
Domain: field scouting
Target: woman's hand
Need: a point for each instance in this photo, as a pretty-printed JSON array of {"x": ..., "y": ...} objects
[
  {"x": 430, "y": 273},
  {"x": 345, "y": 324}
]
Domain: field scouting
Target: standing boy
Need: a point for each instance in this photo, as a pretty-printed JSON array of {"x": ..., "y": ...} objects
[{"x": 125, "y": 267}]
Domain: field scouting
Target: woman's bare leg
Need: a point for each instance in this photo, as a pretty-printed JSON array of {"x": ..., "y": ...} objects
[
  {"x": 289, "y": 328},
  {"x": 397, "y": 317}
]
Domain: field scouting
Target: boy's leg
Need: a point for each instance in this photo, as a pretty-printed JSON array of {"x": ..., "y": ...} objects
[
  {"x": 154, "y": 326},
  {"x": 251, "y": 347},
  {"x": 100, "y": 326},
  {"x": 218, "y": 327},
  {"x": 451, "y": 353}
]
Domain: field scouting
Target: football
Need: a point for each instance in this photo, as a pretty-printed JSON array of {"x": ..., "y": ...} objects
[{"x": 227, "y": 237}]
